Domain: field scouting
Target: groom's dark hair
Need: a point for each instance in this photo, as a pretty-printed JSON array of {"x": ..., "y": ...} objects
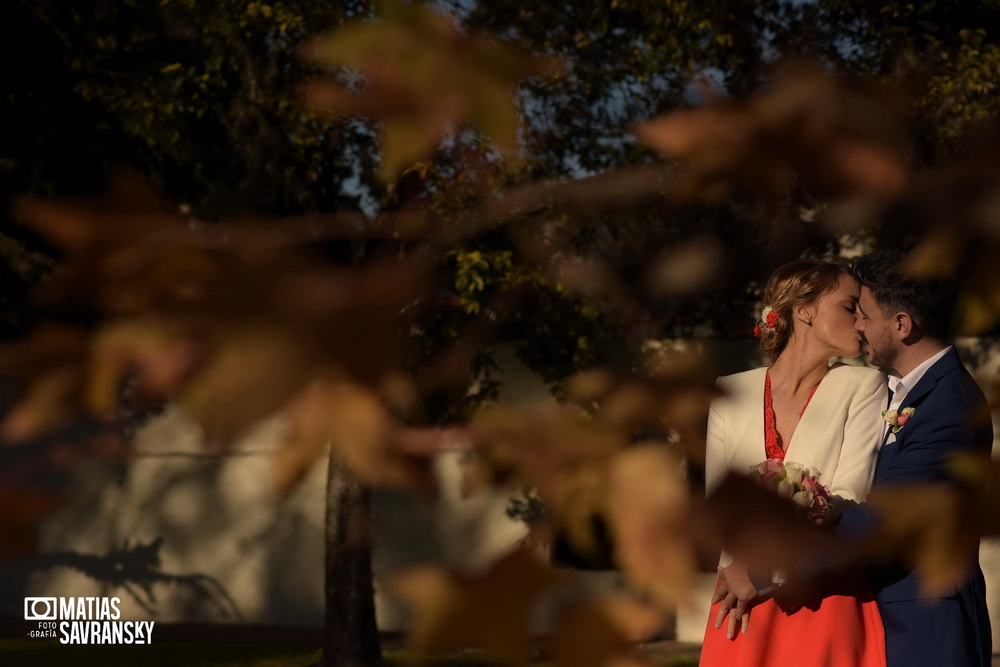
[{"x": 929, "y": 302}]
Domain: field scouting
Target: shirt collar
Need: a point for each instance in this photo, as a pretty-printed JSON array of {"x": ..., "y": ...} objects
[{"x": 901, "y": 386}]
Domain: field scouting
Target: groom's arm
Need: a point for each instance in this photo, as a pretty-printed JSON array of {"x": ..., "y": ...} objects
[{"x": 947, "y": 427}]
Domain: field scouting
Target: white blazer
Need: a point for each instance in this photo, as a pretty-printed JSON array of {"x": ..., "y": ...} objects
[{"x": 840, "y": 432}]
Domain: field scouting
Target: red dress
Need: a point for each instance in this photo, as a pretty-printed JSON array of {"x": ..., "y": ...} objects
[{"x": 837, "y": 630}]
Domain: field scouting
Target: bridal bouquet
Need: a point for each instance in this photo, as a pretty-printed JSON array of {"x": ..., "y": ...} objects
[{"x": 795, "y": 481}]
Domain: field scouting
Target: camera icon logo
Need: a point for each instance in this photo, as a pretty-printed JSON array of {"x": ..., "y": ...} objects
[{"x": 40, "y": 609}]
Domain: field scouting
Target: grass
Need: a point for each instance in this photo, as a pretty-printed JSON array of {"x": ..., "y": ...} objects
[{"x": 46, "y": 653}]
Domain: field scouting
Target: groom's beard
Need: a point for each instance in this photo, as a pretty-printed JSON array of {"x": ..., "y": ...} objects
[{"x": 881, "y": 351}]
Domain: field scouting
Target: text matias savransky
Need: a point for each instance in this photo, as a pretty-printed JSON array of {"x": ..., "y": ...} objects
[{"x": 85, "y": 620}]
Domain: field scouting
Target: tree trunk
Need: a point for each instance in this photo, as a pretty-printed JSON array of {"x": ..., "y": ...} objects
[{"x": 351, "y": 638}]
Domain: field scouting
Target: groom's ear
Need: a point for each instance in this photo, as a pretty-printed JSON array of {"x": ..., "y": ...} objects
[{"x": 904, "y": 326}]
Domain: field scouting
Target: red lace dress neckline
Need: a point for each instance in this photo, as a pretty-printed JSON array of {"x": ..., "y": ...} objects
[{"x": 772, "y": 439}]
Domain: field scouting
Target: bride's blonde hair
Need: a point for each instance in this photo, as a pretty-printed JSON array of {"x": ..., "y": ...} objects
[{"x": 798, "y": 283}]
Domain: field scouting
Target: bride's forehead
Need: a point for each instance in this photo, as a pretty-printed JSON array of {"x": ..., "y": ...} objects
[{"x": 846, "y": 287}]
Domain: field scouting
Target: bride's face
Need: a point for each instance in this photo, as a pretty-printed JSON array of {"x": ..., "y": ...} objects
[{"x": 835, "y": 314}]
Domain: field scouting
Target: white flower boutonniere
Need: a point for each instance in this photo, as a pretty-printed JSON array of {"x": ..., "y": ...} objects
[{"x": 898, "y": 418}]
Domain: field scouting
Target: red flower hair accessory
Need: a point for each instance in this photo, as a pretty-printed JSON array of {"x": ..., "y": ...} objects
[{"x": 768, "y": 320}]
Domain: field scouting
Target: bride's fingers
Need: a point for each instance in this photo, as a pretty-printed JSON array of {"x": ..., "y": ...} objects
[
  {"x": 736, "y": 618},
  {"x": 723, "y": 610},
  {"x": 746, "y": 621},
  {"x": 721, "y": 591},
  {"x": 727, "y": 604}
]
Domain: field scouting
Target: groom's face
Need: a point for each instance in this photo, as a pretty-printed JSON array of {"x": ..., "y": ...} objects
[{"x": 876, "y": 329}]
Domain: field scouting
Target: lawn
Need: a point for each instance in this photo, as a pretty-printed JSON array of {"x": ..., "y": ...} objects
[{"x": 33, "y": 652}]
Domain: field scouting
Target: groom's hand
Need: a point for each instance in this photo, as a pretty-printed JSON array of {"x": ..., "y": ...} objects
[{"x": 736, "y": 592}]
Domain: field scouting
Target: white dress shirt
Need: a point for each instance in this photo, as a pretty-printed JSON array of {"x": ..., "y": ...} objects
[{"x": 901, "y": 386}]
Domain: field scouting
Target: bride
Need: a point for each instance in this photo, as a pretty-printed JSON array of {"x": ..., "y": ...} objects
[{"x": 799, "y": 409}]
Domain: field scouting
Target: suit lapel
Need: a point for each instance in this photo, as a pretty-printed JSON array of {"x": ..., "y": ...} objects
[{"x": 946, "y": 364}]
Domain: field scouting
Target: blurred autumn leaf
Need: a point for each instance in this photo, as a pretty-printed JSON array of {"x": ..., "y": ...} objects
[
  {"x": 174, "y": 316},
  {"x": 951, "y": 213},
  {"x": 931, "y": 528},
  {"x": 649, "y": 508},
  {"x": 491, "y": 611},
  {"x": 935, "y": 527},
  {"x": 421, "y": 77},
  {"x": 841, "y": 136},
  {"x": 562, "y": 453},
  {"x": 21, "y": 512},
  {"x": 759, "y": 528},
  {"x": 47, "y": 369},
  {"x": 604, "y": 633}
]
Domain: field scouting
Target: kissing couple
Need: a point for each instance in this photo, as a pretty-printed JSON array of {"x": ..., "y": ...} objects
[{"x": 855, "y": 426}]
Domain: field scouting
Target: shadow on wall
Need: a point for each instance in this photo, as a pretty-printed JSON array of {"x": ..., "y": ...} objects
[
  {"x": 133, "y": 568},
  {"x": 182, "y": 534}
]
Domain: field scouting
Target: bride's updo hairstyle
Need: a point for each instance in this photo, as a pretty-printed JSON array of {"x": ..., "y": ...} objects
[{"x": 798, "y": 283}]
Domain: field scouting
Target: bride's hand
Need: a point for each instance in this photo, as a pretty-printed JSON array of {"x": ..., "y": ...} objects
[{"x": 736, "y": 592}]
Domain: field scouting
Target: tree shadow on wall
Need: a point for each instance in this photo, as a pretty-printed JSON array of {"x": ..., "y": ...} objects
[{"x": 133, "y": 567}]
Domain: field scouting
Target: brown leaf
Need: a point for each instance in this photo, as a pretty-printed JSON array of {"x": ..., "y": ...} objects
[
  {"x": 492, "y": 611},
  {"x": 714, "y": 137},
  {"x": 50, "y": 401},
  {"x": 649, "y": 510},
  {"x": 48, "y": 371},
  {"x": 868, "y": 167},
  {"x": 250, "y": 373},
  {"x": 930, "y": 526},
  {"x": 759, "y": 528},
  {"x": 354, "y": 422},
  {"x": 688, "y": 268},
  {"x": 164, "y": 353},
  {"x": 938, "y": 255},
  {"x": 21, "y": 513},
  {"x": 563, "y": 454},
  {"x": 842, "y": 137},
  {"x": 602, "y": 633},
  {"x": 105, "y": 239},
  {"x": 422, "y": 77}
]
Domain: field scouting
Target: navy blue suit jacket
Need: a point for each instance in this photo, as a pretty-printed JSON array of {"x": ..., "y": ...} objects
[{"x": 954, "y": 628}]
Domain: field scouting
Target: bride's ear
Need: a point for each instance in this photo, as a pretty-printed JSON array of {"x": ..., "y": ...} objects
[{"x": 804, "y": 314}]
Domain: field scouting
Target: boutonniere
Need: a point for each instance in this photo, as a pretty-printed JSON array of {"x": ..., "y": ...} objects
[{"x": 898, "y": 418}]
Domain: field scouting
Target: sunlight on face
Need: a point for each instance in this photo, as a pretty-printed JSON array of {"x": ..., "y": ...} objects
[{"x": 836, "y": 314}]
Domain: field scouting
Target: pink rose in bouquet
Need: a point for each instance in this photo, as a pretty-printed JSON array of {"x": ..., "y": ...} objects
[
  {"x": 820, "y": 506},
  {"x": 767, "y": 472},
  {"x": 793, "y": 480}
]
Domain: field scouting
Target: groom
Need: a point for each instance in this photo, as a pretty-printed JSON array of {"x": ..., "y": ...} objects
[{"x": 906, "y": 324}]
